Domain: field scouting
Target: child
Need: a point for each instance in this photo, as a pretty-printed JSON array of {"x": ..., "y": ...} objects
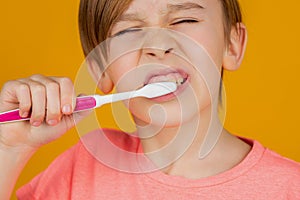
[{"x": 230, "y": 168}]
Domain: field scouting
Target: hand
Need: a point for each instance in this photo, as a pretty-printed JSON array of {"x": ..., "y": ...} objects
[{"x": 51, "y": 102}]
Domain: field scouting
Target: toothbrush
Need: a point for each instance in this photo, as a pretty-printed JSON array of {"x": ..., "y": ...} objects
[{"x": 95, "y": 101}]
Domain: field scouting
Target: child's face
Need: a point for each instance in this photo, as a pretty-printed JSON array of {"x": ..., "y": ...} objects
[{"x": 200, "y": 20}]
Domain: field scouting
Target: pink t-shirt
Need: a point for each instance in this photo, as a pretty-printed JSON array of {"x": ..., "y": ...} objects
[{"x": 77, "y": 174}]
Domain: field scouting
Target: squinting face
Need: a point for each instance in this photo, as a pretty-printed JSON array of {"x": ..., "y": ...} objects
[{"x": 157, "y": 58}]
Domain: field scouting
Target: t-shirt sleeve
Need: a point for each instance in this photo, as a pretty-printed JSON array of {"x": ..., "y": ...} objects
[
  {"x": 285, "y": 172},
  {"x": 53, "y": 183},
  {"x": 294, "y": 186}
]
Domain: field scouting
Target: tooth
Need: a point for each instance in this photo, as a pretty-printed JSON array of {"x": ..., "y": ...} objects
[
  {"x": 156, "y": 79},
  {"x": 171, "y": 79},
  {"x": 177, "y": 76},
  {"x": 180, "y": 80}
]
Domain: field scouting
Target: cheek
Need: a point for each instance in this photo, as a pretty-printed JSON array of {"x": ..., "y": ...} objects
[
  {"x": 214, "y": 47},
  {"x": 212, "y": 40},
  {"x": 122, "y": 72}
]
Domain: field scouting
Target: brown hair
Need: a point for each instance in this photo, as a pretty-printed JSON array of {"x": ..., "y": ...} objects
[
  {"x": 232, "y": 16},
  {"x": 97, "y": 16}
]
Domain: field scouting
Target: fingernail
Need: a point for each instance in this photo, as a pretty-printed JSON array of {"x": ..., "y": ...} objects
[
  {"x": 25, "y": 114},
  {"x": 36, "y": 123},
  {"x": 52, "y": 122},
  {"x": 67, "y": 109}
]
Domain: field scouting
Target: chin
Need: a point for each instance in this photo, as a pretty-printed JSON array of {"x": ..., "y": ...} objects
[{"x": 165, "y": 115}]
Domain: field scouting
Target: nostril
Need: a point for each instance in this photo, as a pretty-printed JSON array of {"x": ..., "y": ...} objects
[
  {"x": 159, "y": 53},
  {"x": 169, "y": 50}
]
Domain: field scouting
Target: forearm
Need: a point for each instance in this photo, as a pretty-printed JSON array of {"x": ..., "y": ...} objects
[{"x": 12, "y": 163}]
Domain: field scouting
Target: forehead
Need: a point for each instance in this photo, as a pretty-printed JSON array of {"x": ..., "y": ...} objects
[
  {"x": 142, "y": 8},
  {"x": 158, "y": 4}
]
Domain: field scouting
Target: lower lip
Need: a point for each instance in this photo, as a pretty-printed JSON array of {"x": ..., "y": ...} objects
[{"x": 173, "y": 95}]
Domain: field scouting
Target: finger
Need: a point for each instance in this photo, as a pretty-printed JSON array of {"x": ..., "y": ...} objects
[
  {"x": 14, "y": 93},
  {"x": 38, "y": 102},
  {"x": 67, "y": 95},
  {"x": 53, "y": 113},
  {"x": 53, "y": 103},
  {"x": 24, "y": 98}
]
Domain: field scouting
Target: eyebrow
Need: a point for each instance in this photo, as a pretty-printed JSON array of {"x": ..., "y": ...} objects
[
  {"x": 183, "y": 6},
  {"x": 130, "y": 17},
  {"x": 171, "y": 8}
]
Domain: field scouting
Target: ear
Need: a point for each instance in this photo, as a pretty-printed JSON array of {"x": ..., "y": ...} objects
[
  {"x": 235, "y": 51},
  {"x": 104, "y": 82}
]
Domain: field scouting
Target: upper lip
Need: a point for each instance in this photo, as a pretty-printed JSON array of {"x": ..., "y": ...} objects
[{"x": 164, "y": 72}]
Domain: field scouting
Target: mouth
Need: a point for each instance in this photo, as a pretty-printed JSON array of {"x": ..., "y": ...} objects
[
  {"x": 179, "y": 77},
  {"x": 176, "y": 76}
]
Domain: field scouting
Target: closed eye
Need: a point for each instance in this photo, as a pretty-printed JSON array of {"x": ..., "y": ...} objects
[
  {"x": 129, "y": 30},
  {"x": 185, "y": 21}
]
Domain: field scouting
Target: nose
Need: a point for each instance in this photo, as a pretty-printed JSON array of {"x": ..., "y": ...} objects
[
  {"x": 158, "y": 53},
  {"x": 158, "y": 44}
]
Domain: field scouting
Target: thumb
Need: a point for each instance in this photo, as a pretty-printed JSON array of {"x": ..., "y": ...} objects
[
  {"x": 78, "y": 116},
  {"x": 71, "y": 120}
]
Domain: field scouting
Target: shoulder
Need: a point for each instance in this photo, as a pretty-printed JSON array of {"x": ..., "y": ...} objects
[
  {"x": 288, "y": 170},
  {"x": 280, "y": 164},
  {"x": 280, "y": 170},
  {"x": 283, "y": 165},
  {"x": 77, "y": 166},
  {"x": 111, "y": 138},
  {"x": 265, "y": 159},
  {"x": 271, "y": 173},
  {"x": 53, "y": 181}
]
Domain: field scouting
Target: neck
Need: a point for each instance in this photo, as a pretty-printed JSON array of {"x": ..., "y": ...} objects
[
  {"x": 197, "y": 144},
  {"x": 168, "y": 145}
]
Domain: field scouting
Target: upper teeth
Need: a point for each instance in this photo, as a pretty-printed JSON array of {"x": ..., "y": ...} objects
[
  {"x": 172, "y": 77},
  {"x": 178, "y": 81}
]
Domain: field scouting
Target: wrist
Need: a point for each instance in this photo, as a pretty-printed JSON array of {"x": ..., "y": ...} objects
[
  {"x": 16, "y": 153},
  {"x": 12, "y": 162}
]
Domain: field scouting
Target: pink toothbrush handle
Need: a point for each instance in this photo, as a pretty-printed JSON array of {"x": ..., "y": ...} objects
[
  {"x": 85, "y": 103},
  {"x": 12, "y": 115},
  {"x": 82, "y": 103}
]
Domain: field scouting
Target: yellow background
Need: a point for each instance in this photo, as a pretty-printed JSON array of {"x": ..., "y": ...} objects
[{"x": 263, "y": 96}]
